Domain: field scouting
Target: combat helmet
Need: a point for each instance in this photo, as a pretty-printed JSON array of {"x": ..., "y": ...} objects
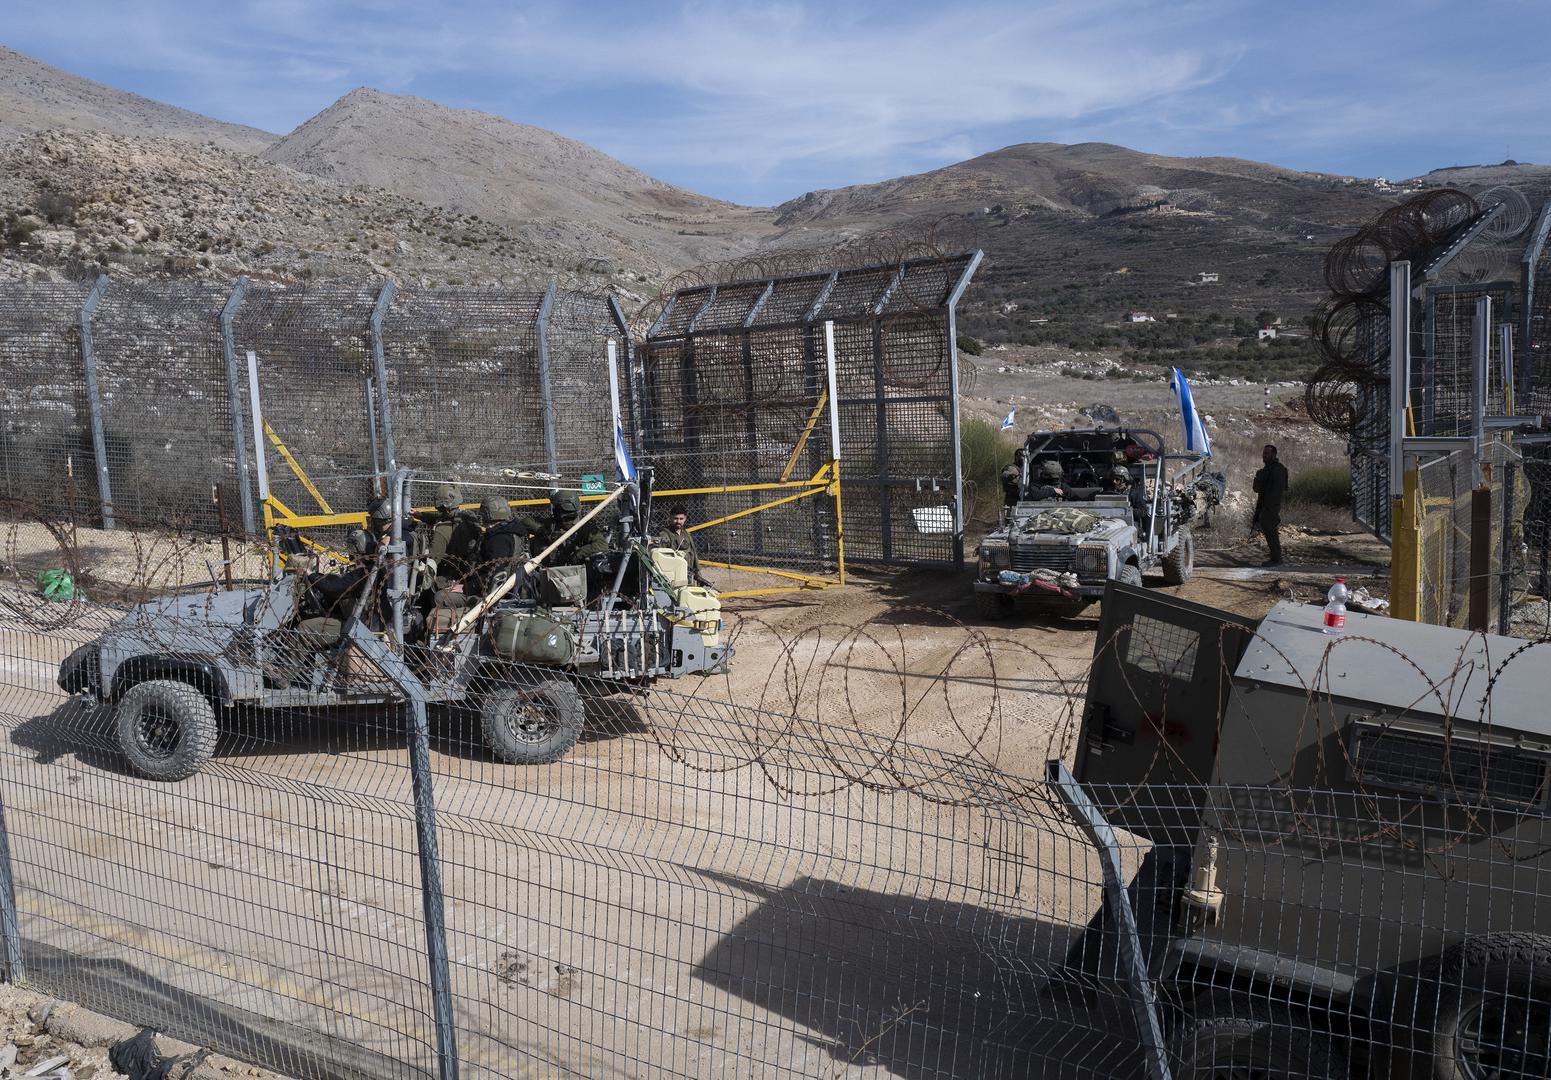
[
  {"x": 495, "y": 508},
  {"x": 1050, "y": 469},
  {"x": 565, "y": 506}
]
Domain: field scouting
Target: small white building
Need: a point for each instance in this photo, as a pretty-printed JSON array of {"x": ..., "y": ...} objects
[
  {"x": 1266, "y": 333},
  {"x": 1207, "y": 277},
  {"x": 1139, "y": 316}
]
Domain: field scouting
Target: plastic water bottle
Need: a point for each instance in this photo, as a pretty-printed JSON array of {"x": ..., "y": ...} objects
[{"x": 1335, "y": 607}]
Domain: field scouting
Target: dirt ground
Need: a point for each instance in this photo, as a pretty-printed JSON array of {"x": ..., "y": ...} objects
[{"x": 838, "y": 860}]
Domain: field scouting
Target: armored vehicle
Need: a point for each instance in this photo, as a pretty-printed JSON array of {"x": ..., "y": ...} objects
[
  {"x": 1087, "y": 506},
  {"x": 1349, "y": 870},
  {"x": 523, "y": 654}
]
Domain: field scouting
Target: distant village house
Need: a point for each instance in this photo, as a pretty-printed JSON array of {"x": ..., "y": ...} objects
[
  {"x": 1206, "y": 277},
  {"x": 1139, "y": 316}
]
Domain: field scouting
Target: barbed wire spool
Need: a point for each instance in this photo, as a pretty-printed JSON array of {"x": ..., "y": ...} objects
[
  {"x": 1328, "y": 399},
  {"x": 1515, "y": 216},
  {"x": 1444, "y": 210},
  {"x": 1358, "y": 264}
]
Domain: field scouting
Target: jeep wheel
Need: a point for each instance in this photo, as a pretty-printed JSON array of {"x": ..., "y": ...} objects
[
  {"x": 1494, "y": 1016},
  {"x": 993, "y": 606},
  {"x": 1180, "y": 563},
  {"x": 1233, "y": 1042},
  {"x": 1129, "y": 575},
  {"x": 166, "y": 729},
  {"x": 532, "y": 725}
]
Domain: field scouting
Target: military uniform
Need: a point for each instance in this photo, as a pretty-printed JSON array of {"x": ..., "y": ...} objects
[
  {"x": 589, "y": 540},
  {"x": 504, "y": 546}
]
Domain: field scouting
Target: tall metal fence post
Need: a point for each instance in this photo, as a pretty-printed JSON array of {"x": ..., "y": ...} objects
[
  {"x": 546, "y": 391},
  {"x": 1133, "y": 957},
  {"x": 432, "y": 897},
  {"x": 1405, "y": 564},
  {"x": 10, "y": 923},
  {"x": 953, "y": 396},
  {"x": 94, "y": 399},
  {"x": 234, "y": 395},
  {"x": 380, "y": 366}
]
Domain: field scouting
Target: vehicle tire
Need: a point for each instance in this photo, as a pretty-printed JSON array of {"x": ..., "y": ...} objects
[
  {"x": 1494, "y": 1008},
  {"x": 1228, "y": 1041},
  {"x": 166, "y": 729},
  {"x": 992, "y": 606},
  {"x": 1129, "y": 575},
  {"x": 1180, "y": 563},
  {"x": 532, "y": 725}
]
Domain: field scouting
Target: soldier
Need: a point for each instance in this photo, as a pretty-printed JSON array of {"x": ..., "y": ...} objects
[
  {"x": 1120, "y": 484},
  {"x": 1051, "y": 483},
  {"x": 1271, "y": 486},
  {"x": 564, "y": 509},
  {"x": 678, "y": 538},
  {"x": 1012, "y": 478},
  {"x": 504, "y": 547},
  {"x": 455, "y": 537}
]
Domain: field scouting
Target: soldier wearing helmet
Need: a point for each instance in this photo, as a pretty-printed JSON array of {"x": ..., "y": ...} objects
[
  {"x": 564, "y": 510},
  {"x": 505, "y": 545},
  {"x": 1050, "y": 482},
  {"x": 1120, "y": 483}
]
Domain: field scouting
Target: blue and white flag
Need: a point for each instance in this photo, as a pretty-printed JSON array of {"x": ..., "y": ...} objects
[
  {"x": 1007, "y": 420},
  {"x": 622, "y": 452},
  {"x": 1195, "y": 435}
]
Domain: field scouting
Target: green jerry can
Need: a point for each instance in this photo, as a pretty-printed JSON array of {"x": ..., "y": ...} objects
[{"x": 534, "y": 638}]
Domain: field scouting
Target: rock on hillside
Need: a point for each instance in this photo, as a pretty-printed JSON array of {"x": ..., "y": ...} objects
[
  {"x": 35, "y": 96},
  {"x": 143, "y": 204},
  {"x": 529, "y": 179}
]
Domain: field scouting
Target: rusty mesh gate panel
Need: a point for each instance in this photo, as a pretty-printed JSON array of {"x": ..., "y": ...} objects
[
  {"x": 45, "y": 437},
  {"x": 734, "y": 374}
]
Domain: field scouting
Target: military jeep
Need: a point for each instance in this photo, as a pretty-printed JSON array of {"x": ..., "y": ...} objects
[
  {"x": 1059, "y": 551},
  {"x": 523, "y": 658}
]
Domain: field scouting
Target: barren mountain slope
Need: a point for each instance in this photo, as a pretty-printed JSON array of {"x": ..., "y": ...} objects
[
  {"x": 149, "y": 204},
  {"x": 538, "y": 182},
  {"x": 35, "y": 96}
]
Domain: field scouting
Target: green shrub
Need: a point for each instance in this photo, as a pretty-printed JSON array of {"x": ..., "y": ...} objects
[
  {"x": 983, "y": 452},
  {"x": 1325, "y": 485},
  {"x": 969, "y": 345}
]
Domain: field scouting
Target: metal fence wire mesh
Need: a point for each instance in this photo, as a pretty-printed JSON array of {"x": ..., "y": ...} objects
[
  {"x": 1451, "y": 560},
  {"x": 730, "y": 390},
  {"x": 734, "y": 388},
  {"x": 804, "y": 888}
]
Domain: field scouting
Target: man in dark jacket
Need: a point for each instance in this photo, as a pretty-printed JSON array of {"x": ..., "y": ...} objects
[
  {"x": 1012, "y": 479},
  {"x": 1270, "y": 486}
]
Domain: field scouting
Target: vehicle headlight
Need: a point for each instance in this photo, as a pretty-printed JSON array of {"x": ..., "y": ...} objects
[
  {"x": 998, "y": 557},
  {"x": 1093, "y": 560}
]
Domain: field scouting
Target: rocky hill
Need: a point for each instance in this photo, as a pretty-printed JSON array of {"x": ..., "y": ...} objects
[
  {"x": 35, "y": 96},
  {"x": 1076, "y": 237},
  {"x": 541, "y": 185},
  {"x": 143, "y": 205}
]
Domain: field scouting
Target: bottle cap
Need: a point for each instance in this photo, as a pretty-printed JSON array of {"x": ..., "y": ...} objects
[{"x": 1342, "y": 580}]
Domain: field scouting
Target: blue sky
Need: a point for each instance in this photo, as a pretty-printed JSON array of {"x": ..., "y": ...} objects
[{"x": 760, "y": 102}]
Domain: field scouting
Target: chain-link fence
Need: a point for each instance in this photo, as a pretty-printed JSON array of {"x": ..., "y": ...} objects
[
  {"x": 138, "y": 399},
  {"x": 834, "y": 861}
]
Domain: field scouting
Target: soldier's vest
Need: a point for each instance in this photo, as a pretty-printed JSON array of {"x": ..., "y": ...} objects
[{"x": 1072, "y": 520}]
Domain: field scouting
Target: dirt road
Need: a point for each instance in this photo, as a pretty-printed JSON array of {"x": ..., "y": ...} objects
[{"x": 837, "y": 861}]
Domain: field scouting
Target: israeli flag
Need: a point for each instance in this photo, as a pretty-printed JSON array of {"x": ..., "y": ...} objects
[
  {"x": 622, "y": 460},
  {"x": 1007, "y": 420},
  {"x": 1195, "y": 435},
  {"x": 622, "y": 452}
]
